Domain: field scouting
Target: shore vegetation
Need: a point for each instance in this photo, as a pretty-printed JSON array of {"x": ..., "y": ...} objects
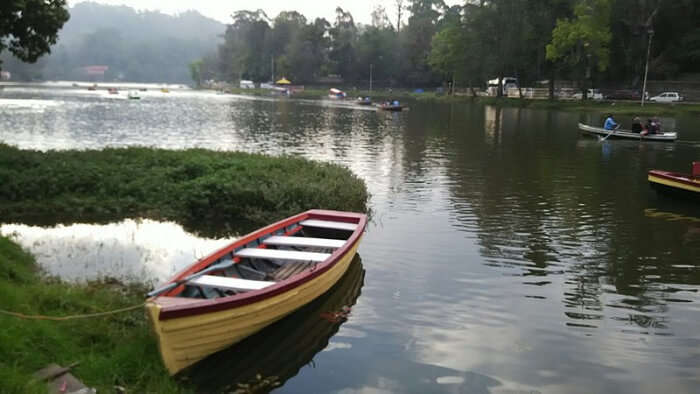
[{"x": 207, "y": 191}]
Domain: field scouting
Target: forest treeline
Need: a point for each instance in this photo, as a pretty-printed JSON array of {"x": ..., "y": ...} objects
[
  {"x": 136, "y": 46},
  {"x": 593, "y": 42}
]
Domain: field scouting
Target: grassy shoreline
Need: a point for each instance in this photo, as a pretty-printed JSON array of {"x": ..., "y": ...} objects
[
  {"x": 620, "y": 107},
  {"x": 229, "y": 191},
  {"x": 117, "y": 350}
]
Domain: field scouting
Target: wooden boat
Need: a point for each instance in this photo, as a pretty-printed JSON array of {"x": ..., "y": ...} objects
[
  {"x": 282, "y": 349},
  {"x": 628, "y": 134},
  {"x": 251, "y": 283},
  {"x": 391, "y": 107},
  {"x": 336, "y": 94},
  {"x": 685, "y": 185}
]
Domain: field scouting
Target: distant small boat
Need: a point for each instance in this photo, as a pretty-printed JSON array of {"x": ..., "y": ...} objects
[
  {"x": 165, "y": 90},
  {"x": 336, "y": 93},
  {"x": 251, "y": 283},
  {"x": 628, "y": 134},
  {"x": 364, "y": 101},
  {"x": 112, "y": 90},
  {"x": 684, "y": 185},
  {"x": 391, "y": 107},
  {"x": 134, "y": 95},
  {"x": 93, "y": 87}
]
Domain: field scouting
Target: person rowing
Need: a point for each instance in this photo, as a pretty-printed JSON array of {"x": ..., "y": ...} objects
[
  {"x": 610, "y": 123},
  {"x": 637, "y": 125}
]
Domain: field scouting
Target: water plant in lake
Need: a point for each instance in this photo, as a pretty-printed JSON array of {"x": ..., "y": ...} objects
[{"x": 206, "y": 191}]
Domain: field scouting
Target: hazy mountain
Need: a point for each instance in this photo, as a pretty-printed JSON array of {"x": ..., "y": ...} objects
[{"x": 136, "y": 46}]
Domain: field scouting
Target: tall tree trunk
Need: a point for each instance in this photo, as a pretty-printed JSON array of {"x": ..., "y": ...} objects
[{"x": 552, "y": 75}]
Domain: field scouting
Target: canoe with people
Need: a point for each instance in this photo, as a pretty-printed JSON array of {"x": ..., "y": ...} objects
[
  {"x": 251, "y": 283},
  {"x": 391, "y": 105},
  {"x": 364, "y": 100},
  {"x": 650, "y": 131}
]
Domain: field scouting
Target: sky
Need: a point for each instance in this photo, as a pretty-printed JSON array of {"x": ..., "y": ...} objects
[{"x": 222, "y": 10}]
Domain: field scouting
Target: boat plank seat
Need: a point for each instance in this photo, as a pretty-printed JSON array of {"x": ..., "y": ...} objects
[
  {"x": 274, "y": 254},
  {"x": 227, "y": 283},
  {"x": 329, "y": 224},
  {"x": 278, "y": 240}
]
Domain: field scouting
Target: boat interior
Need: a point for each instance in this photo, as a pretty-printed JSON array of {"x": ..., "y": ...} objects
[{"x": 271, "y": 258}]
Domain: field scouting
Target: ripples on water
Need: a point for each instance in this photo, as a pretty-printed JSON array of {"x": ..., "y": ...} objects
[{"x": 508, "y": 253}]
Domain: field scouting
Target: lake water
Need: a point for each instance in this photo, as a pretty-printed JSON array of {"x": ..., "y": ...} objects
[{"x": 507, "y": 253}]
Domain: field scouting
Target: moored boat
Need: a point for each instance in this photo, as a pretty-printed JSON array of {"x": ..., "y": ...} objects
[
  {"x": 391, "y": 107},
  {"x": 668, "y": 136},
  {"x": 285, "y": 347},
  {"x": 251, "y": 283},
  {"x": 336, "y": 93},
  {"x": 134, "y": 95},
  {"x": 364, "y": 101},
  {"x": 684, "y": 185}
]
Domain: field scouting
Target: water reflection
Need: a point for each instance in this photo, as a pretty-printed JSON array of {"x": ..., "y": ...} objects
[
  {"x": 327, "y": 355},
  {"x": 132, "y": 251}
]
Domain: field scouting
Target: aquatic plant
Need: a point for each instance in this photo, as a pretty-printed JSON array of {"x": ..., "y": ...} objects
[{"x": 208, "y": 192}]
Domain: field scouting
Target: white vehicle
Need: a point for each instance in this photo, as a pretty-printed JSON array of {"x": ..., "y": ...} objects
[
  {"x": 593, "y": 94},
  {"x": 247, "y": 84},
  {"x": 508, "y": 83},
  {"x": 667, "y": 97}
]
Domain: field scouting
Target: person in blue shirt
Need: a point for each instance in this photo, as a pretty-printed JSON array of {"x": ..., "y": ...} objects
[{"x": 610, "y": 123}]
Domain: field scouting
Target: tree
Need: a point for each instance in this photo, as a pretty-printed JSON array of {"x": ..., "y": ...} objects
[
  {"x": 418, "y": 35},
  {"x": 196, "y": 71},
  {"x": 308, "y": 51},
  {"x": 448, "y": 53},
  {"x": 343, "y": 41},
  {"x": 28, "y": 28},
  {"x": 241, "y": 55},
  {"x": 584, "y": 41}
]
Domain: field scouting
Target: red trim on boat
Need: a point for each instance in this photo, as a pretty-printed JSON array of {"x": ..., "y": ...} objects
[
  {"x": 675, "y": 177},
  {"x": 223, "y": 303}
]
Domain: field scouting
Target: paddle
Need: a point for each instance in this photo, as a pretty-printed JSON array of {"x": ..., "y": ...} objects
[
  {"x": 170, "y": 286},
  {"x": 610, "y": 133}
]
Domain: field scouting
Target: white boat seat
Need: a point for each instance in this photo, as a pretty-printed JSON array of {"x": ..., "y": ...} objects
[
  {"x": 279, "y": 240},
  {"x": 226, "y": 283},
  {"x": 329, "y": 224},
  {"x": 274, "y": 254}
]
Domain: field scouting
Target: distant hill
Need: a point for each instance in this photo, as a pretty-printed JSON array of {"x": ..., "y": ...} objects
[{"x": 136, "y": 46}]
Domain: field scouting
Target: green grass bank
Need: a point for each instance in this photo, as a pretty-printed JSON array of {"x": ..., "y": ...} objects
[
  {"x": 620, "y": 107},
  {"x": 208, "y": 192},
  {"x": 116, "y": 350}
]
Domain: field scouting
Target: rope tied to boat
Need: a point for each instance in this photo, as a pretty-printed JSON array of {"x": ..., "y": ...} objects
[{"x": 70, "y": 317}]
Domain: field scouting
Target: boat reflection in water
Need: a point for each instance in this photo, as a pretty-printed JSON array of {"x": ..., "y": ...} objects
[{"x": 272, "y": 356}]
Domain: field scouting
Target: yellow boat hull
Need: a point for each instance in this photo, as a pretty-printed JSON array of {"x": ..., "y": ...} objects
[{"x": 185, "y": 340}]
